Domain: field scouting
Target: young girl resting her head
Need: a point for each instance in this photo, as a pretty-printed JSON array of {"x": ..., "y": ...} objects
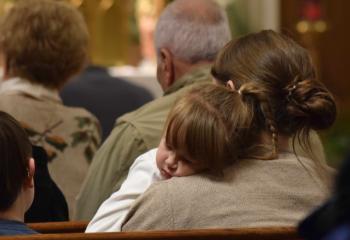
[
  {"x": 16, "y": 176},
  {"x": 236, "y": 135},
  {"x": 170, "y": 159}
]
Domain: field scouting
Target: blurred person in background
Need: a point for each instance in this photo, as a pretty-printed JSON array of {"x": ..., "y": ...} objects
[
  {"x": 105, "y": 96},
  {"x": 17, "y": 169},
  {"x": 331, "y": 221},
  {"x": 43, "y": 43}
]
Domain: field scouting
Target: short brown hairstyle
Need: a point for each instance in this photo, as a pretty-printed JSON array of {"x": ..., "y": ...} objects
[
  {"x": 15, "y": 152},
  {"x": 44, "y": 41}
]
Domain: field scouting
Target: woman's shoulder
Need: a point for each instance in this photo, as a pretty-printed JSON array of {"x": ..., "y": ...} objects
[
  {"x": 79, "y": 117},
  {"x": 77, "y": 112},
  {"x": 287, "y": 170},
  {"x": 288, "y": 161},
  {"x": 286, "y": 158},
  {"x": 167, "y": 193},
  {"x": 307, "y": 162},
  {"x": 185, "y": 186},
  {"x": 9, "y": 101}
]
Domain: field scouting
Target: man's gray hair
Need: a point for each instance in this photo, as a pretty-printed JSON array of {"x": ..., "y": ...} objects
[{"x": 193, "y": 30}]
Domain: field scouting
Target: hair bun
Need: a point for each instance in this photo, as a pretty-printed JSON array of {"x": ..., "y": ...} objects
[{"x": 310, "y": 104}]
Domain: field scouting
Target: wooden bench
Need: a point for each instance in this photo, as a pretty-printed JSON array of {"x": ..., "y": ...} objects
[
  {"x": 280, "y": 233},
  {"x": 59, "y": 227}
]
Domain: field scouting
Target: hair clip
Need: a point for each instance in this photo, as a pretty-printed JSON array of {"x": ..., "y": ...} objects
[
  {"x": 290, "y": 92},
  {"x": 240, "y": 90}
]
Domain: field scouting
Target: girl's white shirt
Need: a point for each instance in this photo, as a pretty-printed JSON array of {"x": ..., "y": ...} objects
[{"x": 111, "y": 214}]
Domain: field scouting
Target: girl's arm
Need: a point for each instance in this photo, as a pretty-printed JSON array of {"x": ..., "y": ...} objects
[{"x": 112, "y": 212}]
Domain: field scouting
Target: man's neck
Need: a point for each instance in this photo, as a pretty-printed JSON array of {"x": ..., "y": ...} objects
[{"x": 183, "y": 67}]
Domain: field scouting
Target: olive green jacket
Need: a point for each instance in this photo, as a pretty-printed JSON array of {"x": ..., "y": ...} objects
[{"x": 134, "y": 134}]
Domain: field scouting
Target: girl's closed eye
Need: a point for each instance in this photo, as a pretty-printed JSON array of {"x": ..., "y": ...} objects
[
  {"x": 168, "y": 146},
  {"x": 189, "y": 161},
  {"x": 185, "y": 160}
]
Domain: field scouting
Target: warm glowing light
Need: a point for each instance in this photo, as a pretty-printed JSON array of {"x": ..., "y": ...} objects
[
  {"x": 106, "y": 4},
  {"x": 77, "y": 3},
  {"x": 320, "y": 26},
  {"x": 303, "y": 26}
]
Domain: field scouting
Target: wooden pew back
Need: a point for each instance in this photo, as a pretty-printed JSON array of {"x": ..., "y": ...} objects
[
  {"x": 280, "y": 233},
  {"x": 59, "y": 227}
]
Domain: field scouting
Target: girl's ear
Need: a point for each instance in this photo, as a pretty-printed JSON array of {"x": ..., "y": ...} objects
[
  {"x": 231, "y": 85},
  {"x": 29, "y": 182}
]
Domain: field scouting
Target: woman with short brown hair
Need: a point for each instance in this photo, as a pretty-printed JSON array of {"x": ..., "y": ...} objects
[{"x": 42, "y": 44}]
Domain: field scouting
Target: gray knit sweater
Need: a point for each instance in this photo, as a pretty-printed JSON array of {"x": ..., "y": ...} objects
[{"x": 252, "y": 193}]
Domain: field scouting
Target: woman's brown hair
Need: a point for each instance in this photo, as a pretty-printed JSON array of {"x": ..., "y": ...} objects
[
  {"x": 43, "y": 41},
  {"x": 276, "y": 92},
  {"x": 276, "y": 76},
  {"x": 15, "y": 152}
]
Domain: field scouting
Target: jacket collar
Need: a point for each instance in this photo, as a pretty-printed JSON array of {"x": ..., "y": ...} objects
[
  {"x": 199, "y": 74},
  {"x": 23, "y": 86}
]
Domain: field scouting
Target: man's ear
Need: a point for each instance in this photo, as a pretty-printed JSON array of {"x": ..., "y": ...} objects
[
  {"x": 5, "y": 66},
  {"x": 167, "y": 65},
  {"x": 29, "y": 182}
]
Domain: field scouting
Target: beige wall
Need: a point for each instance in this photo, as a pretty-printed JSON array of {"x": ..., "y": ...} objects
[{"x": 252, "y": 15}]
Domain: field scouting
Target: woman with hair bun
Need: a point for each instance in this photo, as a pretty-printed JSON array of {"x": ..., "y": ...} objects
[
  {"x": 268, "y": 96},
  {"x": 274, "y": 68}
]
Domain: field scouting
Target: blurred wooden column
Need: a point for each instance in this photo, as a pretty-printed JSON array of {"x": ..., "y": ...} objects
[
  {"x": 147, "y": 13},
  {"x": 327, "y": 39},
  {"x": 108, "y": 24}
]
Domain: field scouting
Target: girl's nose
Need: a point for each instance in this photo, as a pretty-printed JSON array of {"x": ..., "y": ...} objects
[
  {"x": 172, "y": 166},
  {"x": 171, "y": 161}
]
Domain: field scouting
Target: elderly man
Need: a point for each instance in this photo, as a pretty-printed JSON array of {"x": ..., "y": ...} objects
[{"x": 188, "y": 35}]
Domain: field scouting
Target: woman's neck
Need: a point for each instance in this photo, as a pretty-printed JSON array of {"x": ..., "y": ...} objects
[
  {"x": 283, "y": 144},
  {"x": 282, "y": 141}
]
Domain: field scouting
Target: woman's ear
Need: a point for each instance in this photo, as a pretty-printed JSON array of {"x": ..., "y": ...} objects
[
  {"x": 167, "y": 68},
  {"x": 29, "y": 182}
]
